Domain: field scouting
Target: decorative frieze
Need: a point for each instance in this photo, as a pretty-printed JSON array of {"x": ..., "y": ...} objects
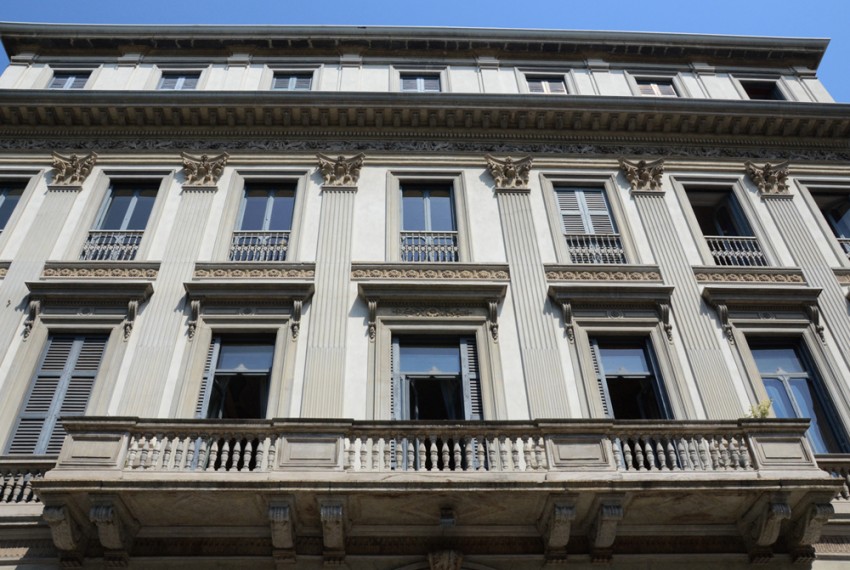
[
  {"x": 242, "y": 272},
  {"x": 602, "y": 274},
  {"x": 509, "y": 174},
  {"x": 100, "y": 271},
  {"x": 203, "y": 170},
  {"x": 429, "y": 273},
  {"x": 72, "y": 170},
  {"x": 643, "y": 176},
  {"x": 340, "y": 171},
  {"x": 749, "y": 275},
  {"x": 771, "y": 179},
  {"x": 431, "y": 311}
]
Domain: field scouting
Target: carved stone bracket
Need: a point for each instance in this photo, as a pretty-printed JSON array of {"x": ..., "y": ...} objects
[
  {"x": 771, "y": 179},
  {"x": 203, "y": 170},
  {"x": 132, "y": 311},
  {"x": 66, "y": 532},
  {"x": 282, "y": 531},
  {"x": 115, "y": 529},
  {"x": 493, "y": 318},
  {"x": 761, "y": 526},
  {"x": 723, "y": 314},
  {"x": 508, "y": 173},
  {"x": 813, "y": 311},
  {"x": 807, "y": 530},
  {"x": 340, "y": 171},
  {"x": 333, "y": 530},
  {"x": 194, "y": 318},
  {"x": 556, "y": 530},
  {"x": 72, "y": 170},
  {"x": 664, "y": 316},
  {"x": 569, "y": 324},
  {"x": 373, "y": 318},
  {"x": 295, "y": 323},
  {"x": 33, "y": 311},
  {"x": 445, "y": 560},
  {"x": 604, "y": 530},
  {"x": 644, "y": 176}
]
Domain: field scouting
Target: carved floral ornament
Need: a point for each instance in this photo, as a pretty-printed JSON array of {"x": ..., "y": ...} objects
[
  {"x": 509, "y": 173},
  {"x": 643, "y": 176},
  {"x": 340, "y": 171},
  {"x": 380, "y": 273},
  {"x": 203, "y": 170},
  {"x": 771, "y": 179},
  {"x": 72, "y": 170}
]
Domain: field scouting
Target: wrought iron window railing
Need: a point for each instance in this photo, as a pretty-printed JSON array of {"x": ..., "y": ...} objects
[
  {"x": 736, "y": 250},
  {"x": 259, "y": 246},
  {"x": 111, "y": 245},
  {"x": 595, "y": 248},
  {"x": 429, "y": 247}
]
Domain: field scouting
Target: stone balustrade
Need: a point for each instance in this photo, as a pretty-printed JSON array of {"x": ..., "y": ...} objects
[
  {"x": 16, "y": 477},
  {"x": 839, "y": 467}
]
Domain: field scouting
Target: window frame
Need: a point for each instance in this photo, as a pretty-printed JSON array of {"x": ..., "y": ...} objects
[
  {"x": 292, "y": 75},
  {"x": 27, "y": 181},
  {"x": 739, "y": 80},
  {"x": 164, "y": 72},
  {"x": 634, "y": 79},
  {"x": 71, "y": 74},
  {"x": 545, "y": 79},
  {"x": 397, "y": 72},
  {"x": 809, "y": 187}
]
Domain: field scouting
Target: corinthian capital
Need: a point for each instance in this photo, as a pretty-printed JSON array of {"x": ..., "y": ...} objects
[
  {"x": 72, "y": 170},
  {"x": 771, "y": 179},
  {"x": 509, "y": 173},
  {"x": 203, "y": 170},
  {"x": 643, "y": 176},
  {"x": 340, "y": 171}
]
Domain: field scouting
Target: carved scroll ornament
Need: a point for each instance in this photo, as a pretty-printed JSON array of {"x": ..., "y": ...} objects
[
  {"x": 72, "y": 170},
  {"x": 643, "y": 176},
  {"x": 203, "y": 170},
  {"x": 771, "y": 179},
  {"x": 340, "y": 171},
  {"x": 509, "y": 173}
]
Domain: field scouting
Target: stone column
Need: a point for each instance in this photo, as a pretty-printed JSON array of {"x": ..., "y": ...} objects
[
  {"x": 697, "y": 327},
  {"x": 324, "y": 374},
  {"x": 541, "y": 360}
]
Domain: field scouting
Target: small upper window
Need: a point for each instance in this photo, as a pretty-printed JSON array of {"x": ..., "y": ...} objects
[
  {"x": 546, "y": 85},
  {"x": 725, "y": 228},
  {"x": 420, "y": 83},
  {"x": 292, "y": 81},
  {"x": 69, "y": 80},
  {"x": 763, "y": 90},
  {"x": 121, "y": 224},
  {"x": 9, "y": 198},
  {"x": 656, "y": 87},
  {"x": 179, "y": 81},
  {"x": 588, "y": 226},
  {"x": 429, "y": 232},
  {"x": 265, "y": 221}
]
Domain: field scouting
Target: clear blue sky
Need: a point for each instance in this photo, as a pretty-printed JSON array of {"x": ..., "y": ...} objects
[{"x": 810, "y": 18}]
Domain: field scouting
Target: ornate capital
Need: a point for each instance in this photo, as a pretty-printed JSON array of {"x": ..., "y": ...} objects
[
  {"x": 340, "y": 171},
  {"x": 203, "y": 170},
  {"x": 509, "y": 174},
  {"x": 643, "y": 176},
  {"x": 445, "y": 560},
  {"x": 771, "y": 179},
  {"x": 72, "y": 170}
]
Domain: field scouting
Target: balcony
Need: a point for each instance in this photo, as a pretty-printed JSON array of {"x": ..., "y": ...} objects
[
  {"x": 16, "y": 477},
  {"x": 259, "y": 246},
  {"x": 429, "y": 247},
  {"x": 736, "y": 250},
  {"x": 333, "y": 488},
  {"x": 111, "y": 245},
  {"x": 596, "y": 248}
]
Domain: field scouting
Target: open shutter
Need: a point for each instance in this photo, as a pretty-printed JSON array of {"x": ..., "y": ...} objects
[
  {"x": 571, "y": 212},
  {"x": 397, "y": 409},
  {"x": 471, "y": 380},
  {"x": 201, "y": 408},
  {"x": 646, "y": 88},
  {"x": 601, "y": 383},
  {"x": 596, "y": 208}
]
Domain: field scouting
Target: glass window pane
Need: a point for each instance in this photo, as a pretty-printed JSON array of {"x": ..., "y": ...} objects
[
  {"x": 245, "y": 357},
  {"x": 142, "y": 211},
  {"x": 430, "y": 359},
  {"x": 281, "y": 218},
  {"x": 623, "y": 360},
  {"x": 777, "y": 360},
  {"x": 413, "y": 211},
  {"x": 255, "y": 210},
  {"x": 7, "y": 207},
  {"x": 779, "y": 398},
  {"x": 442, "y": 219},
  {"x": 839, "y": 218},
  {"x": 117, "y": 209},
  {"x": 810, "y": 408}
]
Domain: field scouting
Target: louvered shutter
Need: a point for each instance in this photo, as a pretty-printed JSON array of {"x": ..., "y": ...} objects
[
  {"x": 471, "y": 381},
  {"x": 202, "y": 406},
  {"x": 535, "y": 86},
  {"x": 431, "y": 84},
  {"x": 596, "y": 210},
  {"x": 666, "y": 89},
  {"x": 571, "y": 211},
  {"x": 601, "y": 382},
  {"x": 280, "y": 82},
  {"x": 189, "y": 82},
  {"x": 302, "y": 82},
  {"x": 397, "y": 409},
  {"x": 646, "y": 88},
  {"x": 557, "y": 86},
  {"x": 409, "y": 84},
  {"x": 169, "y": 82},
  {"x": 78, "y": 82}
]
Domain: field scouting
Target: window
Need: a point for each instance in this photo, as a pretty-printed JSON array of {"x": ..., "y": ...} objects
[
  {"x": 420, "y": 83},
  {"x": 236, "y": 378},
  {"x": 69, "y": 80},
  {"x": 656, "y": 87},
  {"x": 179, "y": 81},
  {"x": 628, "y": 379},
  {"x": 10, "y": 195},
  {"x": 726, "y": 231},
  {"x": 120, "y": 224},
  {"x": 292, "y": 82},
  {"x": 835, "y": 207},
  {"x": 428, "y": 229},
  {"x": 588, "y": 226},
  {"x": 62, "y": 387},
  {"x": 763, "y": 90},
  {"x": 794, "y": 391},
  {"x": 435, "y": 379},
  {"x": 264, "y": 223},
  {"x": 546, "y": 85}
]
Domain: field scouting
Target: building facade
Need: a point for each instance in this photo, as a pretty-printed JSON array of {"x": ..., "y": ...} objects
[{"x": 421, "y": 298}]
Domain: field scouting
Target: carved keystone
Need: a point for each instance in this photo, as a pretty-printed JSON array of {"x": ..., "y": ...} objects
[
  {"x": 445, "y": 560},
  {"x": 807, "y": 531},
  {"x": 604, "y": 530},
  {"x": 72, "y": 170},
  {"x": 115, "y": 529},
  {"x": 203, "y": 170},
  {"x": 556, "y": 529},
  {"x": 333, "y": 530},
  {"x": 643, "y": 176},
  {"x": 508, "y": 173},
  {"x": 771, "y": 179},
  {"x": 761, "y": 525},
  {"x": 66, "y": 532},
  {"x": 283, "y": 531},
  {"x": 340, "y": 171}
]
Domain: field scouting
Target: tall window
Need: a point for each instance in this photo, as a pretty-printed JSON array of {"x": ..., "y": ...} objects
[
  {"x": 292, "y": 81},
  {"x": 835, "y": 207},
  {"x": 69, "y": 80},
  {"x": 435, "y": 379},
  {"x": 10, "y": 195},
  {"x": 420, "y": 83},
  {"x": 264, "y": 223},
  {"x": 120, "y": 224},
  {"x": 656, "y": 87},
  {"x": 628, "y": 377},
  {"x": 61, "y": 388},
  {"x": 236, "y": 378},
  {"x": 546, "y": 85},
  {"x": 588, "y": 226},
  {"x": 794, "y": 391},
  {"x": 725, "y": 228},
  {"x": 179, "y": 81},
  {"x": 429, "y": 232}
]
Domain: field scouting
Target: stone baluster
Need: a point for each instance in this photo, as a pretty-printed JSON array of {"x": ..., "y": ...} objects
[
  {"x": 638, "y": 448},
  {"x": 707, "y": 453},
  {"x": 348, "y": 451},
  {"x": 399, "y": 454},
  {"x": 456, "y": 455},
  {"x": 649, "y": 453},
  {"x": 198, "y": 452},
  {"x": 213, "y": 452},
  {"x": 434, "y": 458},
  {"x": 530, "y": 459},
  {"x": 503, "y": 453},
  {"x": 168, "y": 451},
  {"x": 133, "y": 453},
  {"x": 745, "y": 454},
  {"x": 247, "y": 452},
  {"x": 685, "y": 450},
  {"x": 17, "y": 489},
  {"x": 224, "y": 452},
  {"x": 734, "y": 453},
  {"x": 156, "y": 452},
  {"x": 540, "y": 453},
  {"x": 480, "y": 449},
  {"x": 376, "y": 454},
  {"x": 617, "y": 447},
  {"x": 444, "y": 454},
  {"x": 261, "y": 453},
  {"x": 724, "y": 452},
  {"x": 387, "y": 448},
  {"x": 469, "y": 454},
  {"x": 6, "y": 483},
  {"x": 272, "y": 451},
  {"x": 144, "y": 452},
  {"x": 515, "y": 452},
  {"x": 410, "y": 443},
  {"x": 627, "y": 454},
  {"x": 364, "y": 453},
  {"x": 659, "y": 453},
  {"x": 671, "y": 453}
]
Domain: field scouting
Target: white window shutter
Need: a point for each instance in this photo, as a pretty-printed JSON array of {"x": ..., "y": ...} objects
[
  {"x": 190, "y": 82},
  {"x": 571, "y": 211},
  {"x": 169, "y": 82},
  {"x": 431, "y": 84},
  {"x": 409, "y": 84},
  {"x": 535, "y": 86},
  {"x": 601, "y": 382},
  {"x": 471, "y": 381},
  {"x": 201, "y": 407},
  {"x": 79, "y": 82},
  {"x": 396, "y": 389},
  {"x": 597, "y": 212},
  {"x": 557, "y": 86},
  {"x": 302, "y": 82}
]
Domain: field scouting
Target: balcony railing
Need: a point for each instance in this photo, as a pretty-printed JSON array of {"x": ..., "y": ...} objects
[
  {"x": 16, "y": 477},
  {"x": 259, "y": 246},
  {"x": 736, "y": 250},
  {"x": 596, "y": 248},
  {"x": 429, "y": 247},
  {"x": 845, "y": 245},
  {"x": 839, "y": 467},
  {"x": 111, "y": 245}
]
